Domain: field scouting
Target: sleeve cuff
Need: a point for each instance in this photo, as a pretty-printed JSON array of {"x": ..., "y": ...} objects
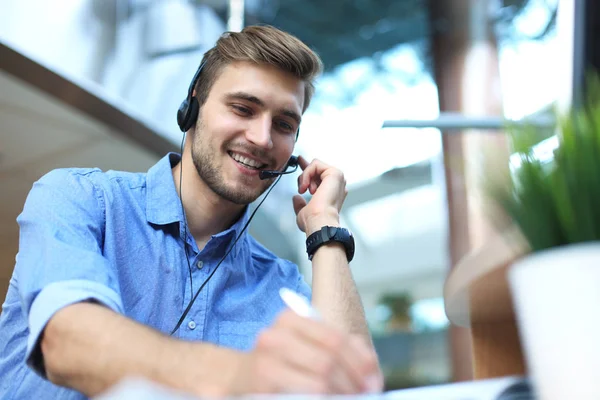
[{"x": 56, "y": 296}]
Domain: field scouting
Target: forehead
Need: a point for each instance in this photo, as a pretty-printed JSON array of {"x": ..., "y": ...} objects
[{"x": 276, "y": 88}]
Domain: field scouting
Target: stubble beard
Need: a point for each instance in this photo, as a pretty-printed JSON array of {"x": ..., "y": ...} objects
[{"x": 205, "y": 161}]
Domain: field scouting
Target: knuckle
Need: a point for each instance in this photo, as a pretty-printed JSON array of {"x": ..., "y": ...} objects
[
  {"x": 371, "y": 362},
  {"x": 325, "y": 365},
  {"x": 335, "y": 342},
  {"x": 368, "y": 362}
]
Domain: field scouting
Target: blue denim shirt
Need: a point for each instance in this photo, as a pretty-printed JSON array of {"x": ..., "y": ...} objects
[{"x": 117, "y": 238}]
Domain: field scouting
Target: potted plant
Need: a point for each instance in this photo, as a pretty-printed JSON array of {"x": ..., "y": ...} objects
[
  {"x": 399, "y": 306},
  {"x": 555, "y": 204}
]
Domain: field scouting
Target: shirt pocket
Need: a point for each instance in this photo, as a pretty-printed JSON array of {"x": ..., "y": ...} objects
[{"x": 239, "y": 335}]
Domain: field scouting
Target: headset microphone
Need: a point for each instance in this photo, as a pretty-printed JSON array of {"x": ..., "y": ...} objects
[{"x": 292, "y": 163}]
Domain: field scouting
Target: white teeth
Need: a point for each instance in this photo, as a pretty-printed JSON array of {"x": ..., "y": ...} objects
[{"x": 245, "y": 160}]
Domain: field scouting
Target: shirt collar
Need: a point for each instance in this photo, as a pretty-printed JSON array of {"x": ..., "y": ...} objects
[
  {"x": 229, "y": 235},
  {"x": 163, "y": 206},
  {"x": 162, "y": 202}
]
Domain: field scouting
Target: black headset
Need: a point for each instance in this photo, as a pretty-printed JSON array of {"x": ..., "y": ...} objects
[{"x": 187, "y": 114}]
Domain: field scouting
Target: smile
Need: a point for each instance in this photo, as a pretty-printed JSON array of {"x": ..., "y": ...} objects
[{"x": 246, "y": 162}]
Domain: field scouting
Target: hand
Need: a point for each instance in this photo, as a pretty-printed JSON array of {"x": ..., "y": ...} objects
[
  {"x": 328, "y": 187},
  {"x": 300, "y": 355}
]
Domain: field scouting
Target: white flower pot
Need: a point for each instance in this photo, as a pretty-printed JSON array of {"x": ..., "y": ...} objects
[{"x": 556, "y": 295}]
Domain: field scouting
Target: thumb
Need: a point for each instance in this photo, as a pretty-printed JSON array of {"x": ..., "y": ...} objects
[{"x": 299, "y": 203}]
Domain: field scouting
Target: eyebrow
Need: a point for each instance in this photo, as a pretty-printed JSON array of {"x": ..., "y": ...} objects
[{"x": 253, "y": 99}]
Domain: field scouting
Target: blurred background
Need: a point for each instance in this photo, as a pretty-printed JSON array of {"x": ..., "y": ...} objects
[{"x": 413, "y": 93}]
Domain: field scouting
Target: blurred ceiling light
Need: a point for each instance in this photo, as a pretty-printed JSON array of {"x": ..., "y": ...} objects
[
  {"x": 235, "y": 23},
  {"x": 171, "y": 27}
]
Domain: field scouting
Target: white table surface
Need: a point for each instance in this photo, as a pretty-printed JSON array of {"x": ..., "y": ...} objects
[{"x": 134, "y": 389}]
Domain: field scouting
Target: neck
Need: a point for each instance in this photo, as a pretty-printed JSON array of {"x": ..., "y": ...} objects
[{"x": 206, "y": 212}]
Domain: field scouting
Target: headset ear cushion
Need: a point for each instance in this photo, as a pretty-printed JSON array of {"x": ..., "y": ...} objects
[
  {"x": 182, "y": 114},
  {"x": 187, "y": 114},
  {"x": 192, "y": 114}
]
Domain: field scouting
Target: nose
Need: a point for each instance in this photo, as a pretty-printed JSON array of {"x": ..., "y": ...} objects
[{"x": 259, "y": 133}]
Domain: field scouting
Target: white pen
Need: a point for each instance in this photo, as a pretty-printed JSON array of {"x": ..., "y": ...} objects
[{"x": 299, "y": 304}]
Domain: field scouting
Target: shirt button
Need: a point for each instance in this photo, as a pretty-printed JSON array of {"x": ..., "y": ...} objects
[
  {"x": 192, "y": 325},
  {"x": 200, "y": 264}
]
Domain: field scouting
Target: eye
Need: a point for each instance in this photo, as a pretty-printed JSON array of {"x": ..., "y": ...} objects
[
  {"x": 285, "y": 127},
  {"x": 241, "y": 110}
]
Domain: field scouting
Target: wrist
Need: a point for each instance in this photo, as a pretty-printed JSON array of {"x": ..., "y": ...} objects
[
  {"x": 216, "y": 381},
  {"x": 316, "y": 222},
  {"x": 238, "y": 384}
]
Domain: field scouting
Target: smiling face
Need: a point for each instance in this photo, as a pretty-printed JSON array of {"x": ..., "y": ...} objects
[{"x": 248, "y": 123}]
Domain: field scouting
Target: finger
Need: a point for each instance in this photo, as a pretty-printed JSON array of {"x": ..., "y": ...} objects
[
  {"x": 316, "y": 331},
  {"x": 312, "y": 172},
  {"x": 299, "y": 203},
  {"x": 302, "y": 162},
  {"x": 348, "y": 376},
  {"x": 304, "y": 181},
  {"x": 357, "y": 358},
  {"x": 357, "y": 363},
  {"x": 315, "y": 183},
  {"x": 317, "y": 167},
  {"x": 277, "y": 376},
  {"x": 300, "y": 184},
  {"x": 343, "y": 383},
  {"x": 362, "y": 365},
  {"x": 310, "y": 357}
]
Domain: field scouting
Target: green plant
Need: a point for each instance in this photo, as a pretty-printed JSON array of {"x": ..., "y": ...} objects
[
  {"x": 556, "y": 202},
  {"x": 398, "y": 304}
]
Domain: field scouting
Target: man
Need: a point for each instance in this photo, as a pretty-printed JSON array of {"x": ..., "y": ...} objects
[{"x": 108, "y": 262}]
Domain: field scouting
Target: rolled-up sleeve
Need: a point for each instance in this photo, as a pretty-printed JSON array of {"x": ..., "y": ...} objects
[{"x": 60, "y": 259}]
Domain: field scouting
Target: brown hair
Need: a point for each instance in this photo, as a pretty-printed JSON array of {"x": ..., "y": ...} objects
[{"x": 261, "y": 44}]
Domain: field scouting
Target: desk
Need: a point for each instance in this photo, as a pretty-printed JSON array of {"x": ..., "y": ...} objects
[
  {"x": 507, "y": 388},
  {"x": 477, "y": 296}
]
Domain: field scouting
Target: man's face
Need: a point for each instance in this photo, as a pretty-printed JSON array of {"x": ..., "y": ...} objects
[{"x": 248, "y": 123}]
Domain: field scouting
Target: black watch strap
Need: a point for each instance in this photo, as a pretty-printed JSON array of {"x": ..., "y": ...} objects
[{"x": 330, "y": 234}]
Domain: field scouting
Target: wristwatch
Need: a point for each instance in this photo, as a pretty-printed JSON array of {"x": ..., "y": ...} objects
[{"x": 330, "y": 234}]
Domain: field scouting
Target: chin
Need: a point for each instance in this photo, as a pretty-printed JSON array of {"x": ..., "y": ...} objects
[
  {"x": 227, "y": 182},
  {"x": 240, "y": 193}
]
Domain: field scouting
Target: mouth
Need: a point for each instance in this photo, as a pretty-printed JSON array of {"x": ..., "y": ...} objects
[{"x": 246, "y": 162}]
